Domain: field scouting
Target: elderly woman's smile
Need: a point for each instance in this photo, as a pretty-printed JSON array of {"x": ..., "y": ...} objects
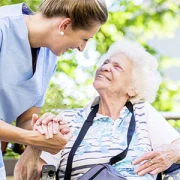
[{"x": 101, "y": 76}]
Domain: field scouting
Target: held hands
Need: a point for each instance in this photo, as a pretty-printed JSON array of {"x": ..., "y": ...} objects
[
  {"x": 51, "y": 132},
  {"x": 156, "y": 161},
  {"x": 49, "y": 124},
  {"x": 57, "y": 134}
]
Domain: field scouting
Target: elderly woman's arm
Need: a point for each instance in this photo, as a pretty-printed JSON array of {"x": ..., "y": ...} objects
[
  {"x": 32, "y": 169},
  {"x": 176, "y": 144},
  {"x": 27, "y": 166},
  {"x": 165, "y": 145},
  {"x": 158, "y": 160}
]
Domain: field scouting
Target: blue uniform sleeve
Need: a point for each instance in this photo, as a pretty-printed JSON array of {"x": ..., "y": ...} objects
[
  {"x": 41, "y": 101},
  {"x": 0, "y": 39}
]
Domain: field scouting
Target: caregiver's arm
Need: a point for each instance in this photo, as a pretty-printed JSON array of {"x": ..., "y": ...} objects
[{"x": 24, "y": 120}]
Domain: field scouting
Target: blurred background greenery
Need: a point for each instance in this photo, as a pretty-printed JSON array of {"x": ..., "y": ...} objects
[{"x": 138, "y": 20}]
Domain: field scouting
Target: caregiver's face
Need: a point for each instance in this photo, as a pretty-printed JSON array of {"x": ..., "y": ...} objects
[{"x": 115, "y": 75}]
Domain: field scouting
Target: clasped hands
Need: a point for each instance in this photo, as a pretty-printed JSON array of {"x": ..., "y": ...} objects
[
  {"x": 57, "y": 134},
  {"x": 49, "y": 124}
]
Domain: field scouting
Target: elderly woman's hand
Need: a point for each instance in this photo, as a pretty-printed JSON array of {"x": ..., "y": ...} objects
[
  {"x": 26, "y": 167},
  {"x": 158, "y": 160},
  {"x": 49, "y": 124}
]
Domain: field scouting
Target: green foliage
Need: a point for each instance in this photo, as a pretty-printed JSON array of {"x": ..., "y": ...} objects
[
  {"x": 175, "y": 124},
  {"x": 138, "y": 22},
  {"x": 33, "y": 4},
  {"x": 10, "y": 153},
  {"x": 127, "y": 18},
  {"x": 68, "y": 66},
  {"x": 166, "y": 96},
  {"x": 54, "y": 100},
  {"x": 132, "y": 21}
]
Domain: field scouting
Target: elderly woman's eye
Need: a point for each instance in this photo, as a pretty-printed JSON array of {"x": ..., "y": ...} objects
[
  {"x": 105, "y": 62},
  {"x": 117, "y": 66}
]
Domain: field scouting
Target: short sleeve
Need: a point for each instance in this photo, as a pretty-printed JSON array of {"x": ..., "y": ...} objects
[
  {"x": 1, "y": 38},
  {"x": 41, "y": 101},
  {"x": 160, "y": 131}
]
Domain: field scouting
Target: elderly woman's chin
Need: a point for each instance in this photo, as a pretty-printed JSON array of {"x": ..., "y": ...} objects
[{"x": 99, "y": 85}]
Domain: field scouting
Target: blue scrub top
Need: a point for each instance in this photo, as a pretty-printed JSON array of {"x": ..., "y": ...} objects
[{"x": 20, "y": 89}]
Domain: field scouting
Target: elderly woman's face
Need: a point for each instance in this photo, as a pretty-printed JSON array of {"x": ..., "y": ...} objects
[{"x": 115, "y": 75}]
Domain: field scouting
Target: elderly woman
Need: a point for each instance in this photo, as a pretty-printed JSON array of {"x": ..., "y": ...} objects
[{"x": 128, "y": 73}]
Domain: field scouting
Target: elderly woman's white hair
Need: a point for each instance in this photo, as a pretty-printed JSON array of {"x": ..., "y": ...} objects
[{"x": 146, "y": 79}]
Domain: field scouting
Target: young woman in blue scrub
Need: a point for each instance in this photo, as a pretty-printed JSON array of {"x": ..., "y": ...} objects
[{"x": 29, "y": 45}]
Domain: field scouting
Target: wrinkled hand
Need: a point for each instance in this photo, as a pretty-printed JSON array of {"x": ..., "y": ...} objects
[
  {"x": 49, "y": 128},
  {"x": 49, "y": 124},
  {"x": 57, "y": 132},
  {"x": 27, "y": 166},
  {"x": 156, "y": 161}
]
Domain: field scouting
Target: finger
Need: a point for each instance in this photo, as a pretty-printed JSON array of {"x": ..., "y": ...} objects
[
  {"x": 63, "y": 126},
  {"x": 145, "y": 171},
  {"x": 58, "y": 118},
  {"x": 65, "y": 131},
  {"x": 156, "y": 171},
  {"x": 63, "y": 122},
  {"x": 34, "y": 119},
  {"x": 48, "y": 118},
  {"x": 153, "y": 169},
  {"x": 39, "y": 129},
  {"x": 45, "y": 128},
  {"x": 144, "y": 157},
  {"x": 55, "y": 127},
  {"x": 39, "y": 121},
  {"x": 142, "y": 167},
  {"x": 43, "y": 118},
  {"x": 153, "y": 166},
  {"x": 145, "y": 168},
  {"x": 68, "y": 136},
  {"x": 50, "y": 129}
]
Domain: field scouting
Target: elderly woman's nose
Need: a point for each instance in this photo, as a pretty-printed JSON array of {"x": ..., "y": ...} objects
[{"x": 106, "y": 67}]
